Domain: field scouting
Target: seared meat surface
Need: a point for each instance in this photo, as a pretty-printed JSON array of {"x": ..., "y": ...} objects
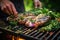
[{"x": 30, "y": 20}]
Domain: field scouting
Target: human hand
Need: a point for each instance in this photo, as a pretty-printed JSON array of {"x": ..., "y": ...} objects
[
  {"x": 37, "y": 4},
  {"x": 8, "y": 7}
]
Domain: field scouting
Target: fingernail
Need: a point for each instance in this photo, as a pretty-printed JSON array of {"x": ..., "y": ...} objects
[{"x": 35, "y": 7}]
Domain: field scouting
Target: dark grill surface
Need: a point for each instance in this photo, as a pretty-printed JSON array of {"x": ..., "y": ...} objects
[{"x": 32, "y": 33}]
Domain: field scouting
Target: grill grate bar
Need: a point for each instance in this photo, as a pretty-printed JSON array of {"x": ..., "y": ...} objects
[
  {"x": 51, "y": 33},
  {"x": 29, "y": 31},
  {"x": 33, "y": 32},
  {"x": 58, "y": 37},
  {"x": 20, "y": 30},
  {"x": 39, "y": 35},
  {"x": 36, "y": 34},
  {"x": 25, "y": 30},
  {"x": 16, "y": 28},
  {"x": 55, "y": 35},
  {"x": 44, "y": 35}
]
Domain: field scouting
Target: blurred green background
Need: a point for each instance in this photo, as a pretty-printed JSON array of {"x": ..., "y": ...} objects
[{"x": 53, "y": 5}]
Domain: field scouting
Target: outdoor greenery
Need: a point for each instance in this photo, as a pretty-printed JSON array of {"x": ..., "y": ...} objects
[{"x": 50, "y": 4}]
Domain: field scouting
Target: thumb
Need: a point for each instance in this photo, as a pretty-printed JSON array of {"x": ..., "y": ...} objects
[
  {"x": 16, "y": 14},
  {"x": 35, "y": 4}
]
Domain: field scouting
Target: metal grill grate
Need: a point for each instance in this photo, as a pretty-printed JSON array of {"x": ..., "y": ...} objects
[{"x": 34, "y": 33}]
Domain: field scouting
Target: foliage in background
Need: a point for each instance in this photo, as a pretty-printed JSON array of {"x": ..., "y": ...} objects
[
  {"x": 51, "y": 4},
  {"x": 28, "y": 5}
]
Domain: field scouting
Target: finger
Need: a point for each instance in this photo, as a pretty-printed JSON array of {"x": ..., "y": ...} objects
[
  {"x": 39, "y": 4},
  {"x": 3, "y": 7},
  {"x": 35, "y": 4},
  {"x": 9, "y": 9},
  {"x": 14, "y": 10},
  {"x": 6, "y": 11}
]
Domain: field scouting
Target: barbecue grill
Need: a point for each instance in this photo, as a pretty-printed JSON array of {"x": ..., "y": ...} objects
[{"x": 31, "y": 33}]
